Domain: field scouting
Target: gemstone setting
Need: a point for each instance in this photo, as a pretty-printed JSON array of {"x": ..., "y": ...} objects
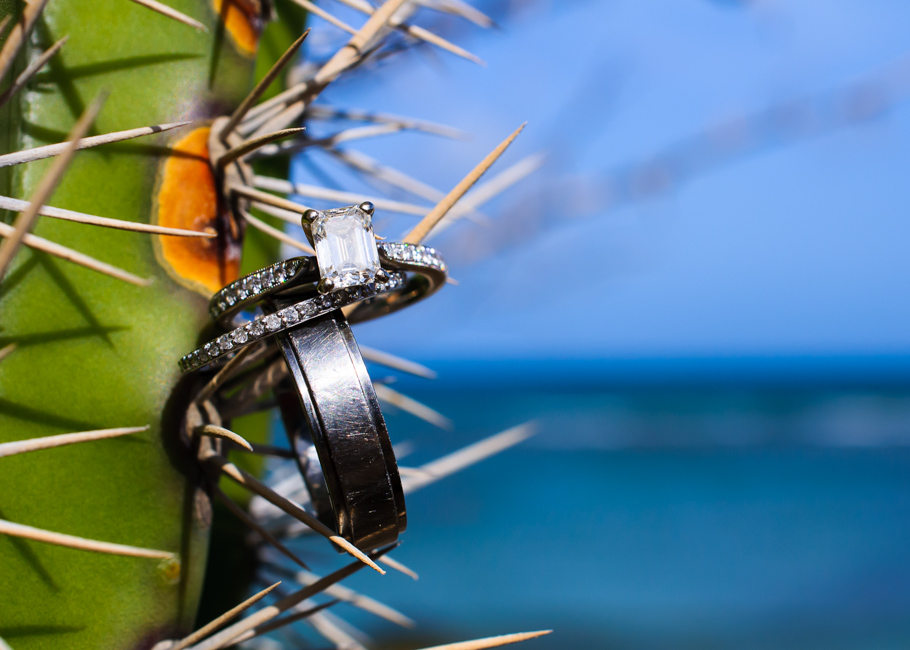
[
  {"x": 267, "y": 325},
  {"x": 345, "y": 246}
]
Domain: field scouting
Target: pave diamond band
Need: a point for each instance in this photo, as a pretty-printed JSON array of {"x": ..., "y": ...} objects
[
  {"x": 259, "y": 284},
  {"x": 296, "y": 272},
  {"x": 268, "y": 325}
]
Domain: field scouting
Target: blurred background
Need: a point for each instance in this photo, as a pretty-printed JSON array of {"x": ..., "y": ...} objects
[{"x": 697, "y": 287}]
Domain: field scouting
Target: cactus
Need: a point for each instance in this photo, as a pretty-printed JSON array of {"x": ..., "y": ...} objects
[{"x": 109, "y": 255}]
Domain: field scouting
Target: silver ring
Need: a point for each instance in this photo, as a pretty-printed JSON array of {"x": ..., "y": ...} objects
[
  {"x": 301, "y": 274},
  {"x": 267, "y": 325},
  {"x": 353, "y": 480}
]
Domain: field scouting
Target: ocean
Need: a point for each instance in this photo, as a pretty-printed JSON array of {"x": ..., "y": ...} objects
[{"x": 722, "y": 514}]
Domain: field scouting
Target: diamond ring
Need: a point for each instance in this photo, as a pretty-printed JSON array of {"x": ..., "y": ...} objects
[
  {"x": 267, "y": 325},
  {"x": 328, "y": 403},
  {"x": 300, "y": 275}
]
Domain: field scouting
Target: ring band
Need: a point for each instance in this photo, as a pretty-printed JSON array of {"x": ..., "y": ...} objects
[
  {"x": 305, "y": 452},
  {"x": 301, "y": 274},
  {"x": 347, "y": 429},
  {"x": 268, "y": 325}
]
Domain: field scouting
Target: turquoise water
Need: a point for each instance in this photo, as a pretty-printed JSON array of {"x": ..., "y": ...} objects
[{"x": 724, "y": 517}]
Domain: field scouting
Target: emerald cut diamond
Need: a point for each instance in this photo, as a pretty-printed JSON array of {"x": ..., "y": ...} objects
[{"x": 345, "y": 246}]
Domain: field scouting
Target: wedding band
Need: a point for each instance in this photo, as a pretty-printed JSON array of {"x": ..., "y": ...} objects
[
  {"x": 300, "y": 275},
  {"x": 346, "y": 427},
  {"x": 267, "y": 325}
]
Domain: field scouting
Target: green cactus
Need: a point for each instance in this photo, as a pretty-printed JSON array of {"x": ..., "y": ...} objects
[
  {"x": 83, "y": 350},
  {"x": 94, "y": 352}
]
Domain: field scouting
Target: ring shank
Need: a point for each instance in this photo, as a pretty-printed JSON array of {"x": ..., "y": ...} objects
[{"x": 342, "y": 414}]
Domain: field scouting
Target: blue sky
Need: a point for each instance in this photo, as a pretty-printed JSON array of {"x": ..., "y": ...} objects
[{"x": 797, "y": 249}]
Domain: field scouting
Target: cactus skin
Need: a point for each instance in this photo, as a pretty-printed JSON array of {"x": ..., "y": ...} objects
[{"x": 94, "y": 352}]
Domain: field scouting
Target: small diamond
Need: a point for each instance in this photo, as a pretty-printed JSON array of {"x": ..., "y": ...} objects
[
  {"x": 239, "y": 336},
  {"x": 252, "y": 285},
  {"x": 257, "y": 328},
  {"x": 211, "y": 350},
  {"x": 289, "y": 315},
  {"x": 305, "y": 309},
  {"x": 272, "y": 322},
  {"x": 224, "y": 342}
]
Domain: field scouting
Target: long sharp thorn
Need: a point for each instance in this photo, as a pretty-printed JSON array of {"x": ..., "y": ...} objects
[
  {"x": 242, "y": 515},
  {"x": 19, "y": 34},
  {"x": 358, "y": 600},
  {"x": 249, "y": 146},
  {"x": 268, "y": 199},
  {"x": 272, "y": 450},
  {"x": 50, "y": 150},
  {"x": 276, "y": 103},
  {"x": 216, "y": 623},
  {"x": 261, "y": 87},
  {"x": 507, "y": 178},
  {"x": 412, "y": 406},
  {"x": 398, "y": 566},
  {"x": 287, "y": 116},
  {"x": 284, "y": 621},
  {"x": 339, "y": 632},
  {"x": 165, "y": 10},
  {"x": 372, "y": 169},
  {"x": 33, "y": 68},
  {"x": 363, "y": 6},
  {"x": 48, "y": 442},
  {"x": 18, "y": 205},
  {"x": 226, "y": 636},
  {"x": 488, "y": 190},
  {"x": 422, "y": 229},
  {"x": 280, "y": 213},
  {"x": 277, "y": 234},
  {"x": 368, "y": 166},
  {"x": 315, "y": 192},
  {"x": 434, "y": 39},
  {"x": 295, "y": 510},
  {"x": 316, "y": 10},
  {"x": 456, "y": 461},
  {"x": 349, "y": 54},
  {"x": 490, "y": 642},
  {"x": 468, "y": 12},
  {"x": 46, "y": 187},
  {"x": 421, "y": 34},
  {"x": 80, "y": 543},
  {"x": 397, "y": 363},
  {"x": 356, "y": 133},
  {"x": 330, "y": 112},
  {"x": 41, "y": 244},
  {"x": 6, "y": 351},
  {"x": 226, "y": 434}
]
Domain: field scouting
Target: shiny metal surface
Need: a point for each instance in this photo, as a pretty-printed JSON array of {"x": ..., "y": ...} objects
[
  {"x": 341, "y": 413},
  {"x": 425, "y": 276}
]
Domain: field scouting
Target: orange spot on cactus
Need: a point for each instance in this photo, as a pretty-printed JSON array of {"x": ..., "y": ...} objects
[
  {"x": 243, "y": 21},
  {"x": 188, "y": 198}
]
